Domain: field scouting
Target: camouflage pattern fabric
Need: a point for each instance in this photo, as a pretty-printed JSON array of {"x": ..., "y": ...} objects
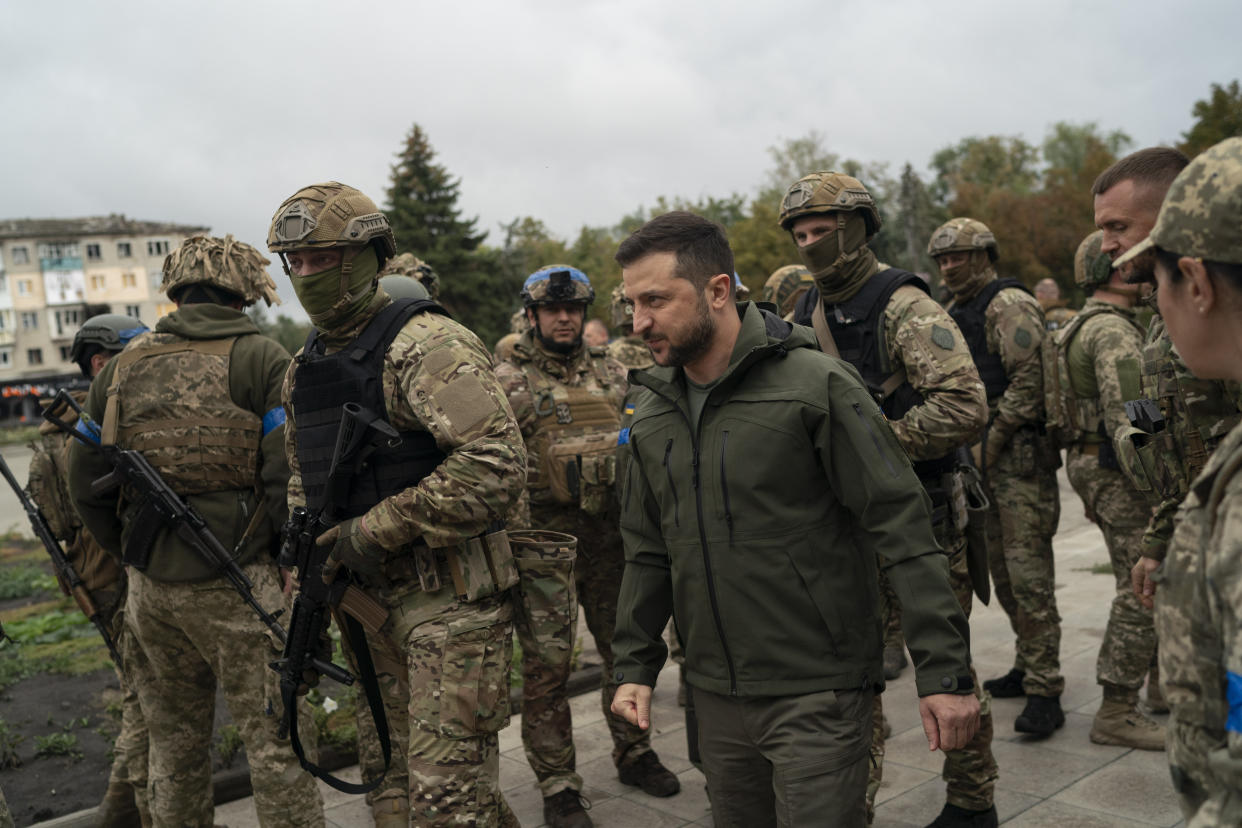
[
  {"x": 437, "y": 377},
  {"x": 1020, "y": 465},
  {"x": 6, "y": 817},
  {"x": 131, "y": 751},
  {"x": 191, "y": 636},
  {"x": 391, "y": 795},
  {"x": 1197, "y": 619},
  {"x": 1057, "y": 318},
  {"x": 1103, "y": 361},
  {"x": 597, "y": 570},
  {"x": 631, "y": 352}
]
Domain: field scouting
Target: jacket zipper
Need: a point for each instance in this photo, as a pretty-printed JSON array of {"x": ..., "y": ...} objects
[
  {"x": 707, "y": 567},
  {"x": 875, "y": 438},
  {"x": 724, "y": 483},
  {"x": 668, "y": 471}
]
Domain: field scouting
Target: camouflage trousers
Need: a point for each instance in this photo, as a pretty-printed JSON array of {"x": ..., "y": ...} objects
[
  {"x": 1025, "y": 509},
  {"x": 192, "y": 636},
  {"x": 1122, "y": 514},
  {"x": 456, "y": 692},
  {"x": 6, "y": 817},
  {"x": 970, "y": 772},
  {"x": 548, "y": 739},
  {"x": 131, "y": 750}
]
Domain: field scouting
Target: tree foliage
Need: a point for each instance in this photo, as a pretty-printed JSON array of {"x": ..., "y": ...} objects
[{"x": 1217, "y": 117}]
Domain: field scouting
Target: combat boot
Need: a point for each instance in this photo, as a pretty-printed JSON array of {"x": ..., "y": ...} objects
[
  {"x": 894, "y": 662},
  {"x": 1119, "y": 722},
  {"x": 1041, "y": 716},
  {"x": 393, "y": 812},
  {"x": 1008, "y": 686},
  {"x": 647, "y": 773},
  {"x": 118, "y": 808},
  {"x": 954, "y": 817},
  {"x": 567, "y": 809}
]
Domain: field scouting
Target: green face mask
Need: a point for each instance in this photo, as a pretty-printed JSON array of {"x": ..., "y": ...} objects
[
  {"x": 840, "y": 273},
  {"x": 323, "y": 299}
]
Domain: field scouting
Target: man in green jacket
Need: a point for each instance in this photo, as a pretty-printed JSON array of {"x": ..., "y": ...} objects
[{"x": 764, "y": 485}]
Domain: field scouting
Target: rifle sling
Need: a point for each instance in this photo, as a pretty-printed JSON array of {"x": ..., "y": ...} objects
[{"x": 366, "y": 675}]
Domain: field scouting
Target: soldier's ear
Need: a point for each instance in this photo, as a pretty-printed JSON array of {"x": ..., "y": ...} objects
[
  {"x": 719, "y": 290},
  {"x": 1201, "y": 291}
]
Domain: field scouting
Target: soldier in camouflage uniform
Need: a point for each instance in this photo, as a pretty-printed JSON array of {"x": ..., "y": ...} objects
[
  {"x": 423, "y": 533},
  {"x": 915, "y": 362},
  {"x": 567, "y": 397},
  {"x": 1197, "y": 247},
  {"x": 97, "y": 341},
  {"x": 785, "y": 287},
  {"x": 407, "y": 264},
  {"x": 627, "y": 349},
  {"x": 1091, "y": 371},
  {"x": 1056, "y": 314},
  {"x": 517, "y": 326},
  {"x": 1004, "y": 328},
  {"x": 200, "y": 398}
]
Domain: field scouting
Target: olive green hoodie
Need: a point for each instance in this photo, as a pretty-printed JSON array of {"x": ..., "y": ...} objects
[
  {"x": 760, "y": 532},
  {"x": 256, "y": 369}
]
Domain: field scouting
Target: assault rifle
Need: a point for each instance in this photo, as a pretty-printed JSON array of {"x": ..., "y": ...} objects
[
  {"x": 68, "y": 576},
  {"x": 161, "y": 506},
  {"x": 361, "y": 432}
]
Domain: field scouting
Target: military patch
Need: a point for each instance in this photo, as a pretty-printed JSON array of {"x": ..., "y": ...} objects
[
  {"x": 1022, "y": 338},
  {"x": 942, "y": 337},
  {"x": 563, "y": 415}
]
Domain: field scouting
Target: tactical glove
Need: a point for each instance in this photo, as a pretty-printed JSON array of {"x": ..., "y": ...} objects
[{"x": 354, "y": 548}]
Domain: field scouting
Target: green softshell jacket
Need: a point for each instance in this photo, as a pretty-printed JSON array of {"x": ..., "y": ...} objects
[
  {"x": 256, "y": 369},
  {"x": 760, "y": 532}
]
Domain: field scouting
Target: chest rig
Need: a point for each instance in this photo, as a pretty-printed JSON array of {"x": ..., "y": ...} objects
[
  {"x": 971, "y": 317},
  {"x": 322, "y": 385}
]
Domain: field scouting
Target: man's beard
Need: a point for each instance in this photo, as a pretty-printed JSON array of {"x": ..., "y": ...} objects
[
  {"x": 1142, "y": 268},
  {"x": 698, "y": 338},
  {"x": 562, "y": 348}
]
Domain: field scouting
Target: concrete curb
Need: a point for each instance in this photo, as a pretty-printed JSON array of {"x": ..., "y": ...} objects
[{"x": 234, "y": 783}]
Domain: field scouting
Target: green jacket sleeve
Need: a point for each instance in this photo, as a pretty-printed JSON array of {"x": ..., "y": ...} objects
[
  {"x": 870, "y": 473},
  {"x": 98, "y": 512},
  {"x": 256, "y": 373},
  {"x": 646, "y": 600}
]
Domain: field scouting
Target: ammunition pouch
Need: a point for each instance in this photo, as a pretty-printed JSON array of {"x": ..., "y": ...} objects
[
  {"x": 581, "y": 471},
  {"x": 1136, "y": 452},
  {"x": 478, "y": 567}
]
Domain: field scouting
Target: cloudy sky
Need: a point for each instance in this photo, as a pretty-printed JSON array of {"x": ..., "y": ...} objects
[{"x": 572, "y": 112}]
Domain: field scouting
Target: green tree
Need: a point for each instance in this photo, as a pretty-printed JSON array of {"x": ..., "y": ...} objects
[
  {"x": 968, "y": 170},
  {"x": 1217, "y": 117},
  {"x": 288, "y": 332}
]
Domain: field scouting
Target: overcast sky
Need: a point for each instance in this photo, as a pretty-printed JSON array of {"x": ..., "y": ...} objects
[{"x": 572, "y": 112}]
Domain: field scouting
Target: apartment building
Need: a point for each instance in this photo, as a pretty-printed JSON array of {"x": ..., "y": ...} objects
[{"x": 54, "y": 274}]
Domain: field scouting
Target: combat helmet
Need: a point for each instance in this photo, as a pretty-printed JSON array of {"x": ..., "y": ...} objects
[
  {"x": 621, "y": 310},
  {"x": 557, "y": 283},
  {"x": 827, "y": 192},
  {"x": 400, "y": 286},
  {"x": 226, "y": 263},
  {"x": 1091, "y": 265},
  {"x": 786, "y": 285},
  {"x": 330, "y": 215},
  {"x": 407, "y": 264},
  {"x": 1200, "y": 214},
  {"x": 105, "y": 332},
  {"x": 963, "y": 235}
]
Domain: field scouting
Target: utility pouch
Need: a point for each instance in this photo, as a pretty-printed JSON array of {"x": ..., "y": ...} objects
[
  {"x": 428, "y": 572},
  {"x": 482, "y": 566}
]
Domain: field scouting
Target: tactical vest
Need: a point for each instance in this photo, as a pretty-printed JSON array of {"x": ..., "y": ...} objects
[
  {"x": 322, "y": 385},
  {"x": 573, "y": 447},
  {"x": 1070, "y": 418},
  {"x": 1198, "y": 413},
  {"x": 857, "y": 326},
  {"x": 971, "y": 317},
  {"x": 169, "y": 399}
]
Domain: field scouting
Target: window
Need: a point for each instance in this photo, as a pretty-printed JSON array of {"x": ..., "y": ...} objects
[
  {"x": 98, "y": 281},
  {"x": 4, "y": 283},
  {"x": 64, "y": 353},
  {"x": 23, "y": 287},
  {"x": 30, "y": 320},
  {"x": 58, "y": 250},
  {"x": 157, "y": 247},
  {"x": 132, "y": 310},
  {"x": 123, "y": 250},
  {"x": 34, "y": 356},
  {"x": 5, "y": 358},
  {"x": 21, "y": 255},
  {"x": 93, "y": 253},
  {"x": 129, "y": 280},
  {"x": 68, "y": 319}
]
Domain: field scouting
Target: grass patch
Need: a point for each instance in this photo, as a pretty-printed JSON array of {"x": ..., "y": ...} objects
[
  {"x": 58, "y": 744},
  {"x": 18, "y": 435},
  {"x": 229, "y": 744},
  {"x": 23, "y": 580},
  {"x": 8, "y": 746},
  {"x": 337, "y": 726},
  {"x": 52, "y": 637}
]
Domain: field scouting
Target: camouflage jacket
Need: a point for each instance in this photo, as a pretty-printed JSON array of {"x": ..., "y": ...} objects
[
  {"x": 49, "y": 489},
  {"x": 1015, "y": 332},
  {"x": 924, "y": 340},
  {"x": 1103, "y": 364},
  {"x": 437, "y": 377},
  {"x": 631, "y": 352},
  {"x": 255, "y": 367},
  {"x": 1199, "y": 623},
  {"x": 547, "y": 411},
  {"x": 1197, "y": 414},
  {"x": 1057, "y": 318}
]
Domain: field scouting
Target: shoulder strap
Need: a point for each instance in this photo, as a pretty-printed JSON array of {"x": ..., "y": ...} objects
[{"x": 822, "y": 332}]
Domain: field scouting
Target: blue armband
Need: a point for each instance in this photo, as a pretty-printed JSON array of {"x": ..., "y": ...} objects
[
  {"x": 623, "y": 437},
  {"x": 1233, "y": 694},
  {"x": 88, "y": 430},
  {"x": 273, "y": 419}
]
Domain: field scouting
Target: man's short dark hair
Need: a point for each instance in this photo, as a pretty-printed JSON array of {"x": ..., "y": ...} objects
[
  {"x": 1154, "y": 167},
  {"x": 700, "y": 245}
]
